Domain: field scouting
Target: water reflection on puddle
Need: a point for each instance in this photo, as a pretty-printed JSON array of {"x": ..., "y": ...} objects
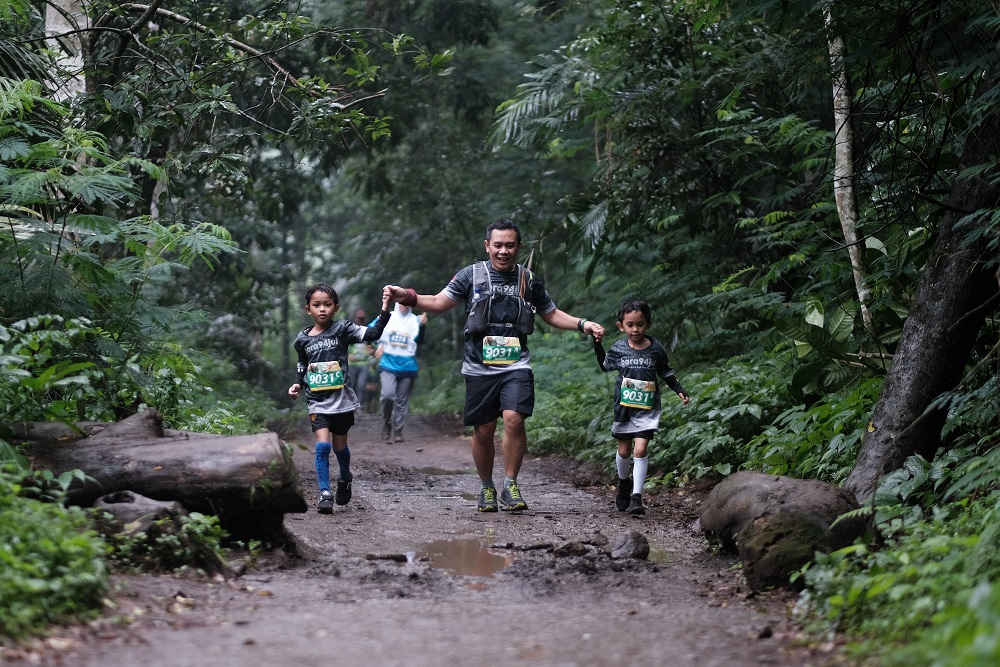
[{"x": 468, "y": 557}]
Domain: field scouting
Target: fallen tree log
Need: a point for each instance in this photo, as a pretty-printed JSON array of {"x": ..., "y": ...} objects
[{"x": 238, "y": 478}]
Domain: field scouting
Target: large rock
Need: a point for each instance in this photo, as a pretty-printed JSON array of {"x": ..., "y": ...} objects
[{"x": 776, "y": 523}]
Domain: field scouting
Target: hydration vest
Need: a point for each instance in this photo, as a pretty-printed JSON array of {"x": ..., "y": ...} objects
[{"x": 478, "y": 321}]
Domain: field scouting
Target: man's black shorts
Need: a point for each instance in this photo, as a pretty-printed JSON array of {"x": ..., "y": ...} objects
[
  {"x": 339, "y": 423},
  {"x": 487, "y": 396}
]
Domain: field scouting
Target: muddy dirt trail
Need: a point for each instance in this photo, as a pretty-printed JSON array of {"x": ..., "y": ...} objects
[{"x": 408, "y": 573}]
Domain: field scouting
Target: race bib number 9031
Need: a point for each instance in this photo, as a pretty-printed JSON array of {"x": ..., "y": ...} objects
[
  {"x": 501, "y": 350},
  {"x": 324, "y": 376},
  {"x": 638, "y": 393}
]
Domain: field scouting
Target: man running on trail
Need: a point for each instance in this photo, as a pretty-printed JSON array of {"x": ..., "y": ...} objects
[{"x": 501, "y": 299}]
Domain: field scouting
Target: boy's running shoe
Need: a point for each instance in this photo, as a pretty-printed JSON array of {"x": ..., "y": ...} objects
[
  {"x": 325, "y": 503},
  {"x": 386, "y": 432},
  {"x": 488, "y": 499},
  {"x": 344, "y": 491},
  {"x": 511, "y": 500},
  {"x": 624, "y": 494},
  {"x": 399, "y": 436},
  {"x": 635, "y": 507}
]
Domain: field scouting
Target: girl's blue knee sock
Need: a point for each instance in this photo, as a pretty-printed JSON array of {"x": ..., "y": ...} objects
[
  {"x": 344, "y": 459},
  {"x": 323, "y": 464}
]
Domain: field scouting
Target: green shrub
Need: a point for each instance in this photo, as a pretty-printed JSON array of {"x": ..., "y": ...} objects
[
  {"x": 923, "y": 597},
  {"x": 572, "y": 415},
  {"x": 729, "y": 405},
  {"x": 51, "y": 565},
  {"x": 820, "y": 441},
  {"x": 171, "y": 543}
]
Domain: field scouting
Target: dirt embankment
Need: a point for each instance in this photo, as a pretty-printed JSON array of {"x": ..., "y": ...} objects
[{"x": 408, "y": 573}]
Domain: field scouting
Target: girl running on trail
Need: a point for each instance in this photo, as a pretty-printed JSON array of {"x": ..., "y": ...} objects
[{"x": 639, "y": 360}]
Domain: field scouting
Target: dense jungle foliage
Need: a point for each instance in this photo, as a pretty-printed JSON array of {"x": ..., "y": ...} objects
[{"x": 167, "y": 197}]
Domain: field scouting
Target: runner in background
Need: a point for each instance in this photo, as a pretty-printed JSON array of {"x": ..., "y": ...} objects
[
  {"x": 359, "y": 356},
  {"x": 397, "y": 365}
]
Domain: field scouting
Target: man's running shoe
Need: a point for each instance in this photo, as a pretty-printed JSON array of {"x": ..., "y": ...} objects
[
  {"x": 511, "y": 500},
  {"x": 344, "y": 491},
  {"x": 635, "y": 507},
  {"x": 325, "y": 503},
  {"x": 624, "y": 494},
  {"x": 386, "y": 432},
  {"x": 399, "y": 436},
  {"x": 488, "y": 499}
]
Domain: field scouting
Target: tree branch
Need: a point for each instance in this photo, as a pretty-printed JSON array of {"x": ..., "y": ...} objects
[{"x": 149, "y": 10}]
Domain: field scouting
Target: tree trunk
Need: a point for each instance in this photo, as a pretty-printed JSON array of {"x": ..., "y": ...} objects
[
  {"x": 228, "y": 476},
  {"x": 951, "y": 302},
  {"x": 67, "y": 20},
  {"x": 843, "y": 172}
]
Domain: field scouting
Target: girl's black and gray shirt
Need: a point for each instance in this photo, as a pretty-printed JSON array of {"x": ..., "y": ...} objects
[
  {"x": 637, "y": 391},
  {"x": 323, "y": 363}
]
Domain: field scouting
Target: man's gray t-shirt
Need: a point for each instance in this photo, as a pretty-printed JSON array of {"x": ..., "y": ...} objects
[{"x": 502, "y": 330}]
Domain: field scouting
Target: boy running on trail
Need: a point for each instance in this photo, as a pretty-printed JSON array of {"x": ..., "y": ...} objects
[
  {"x": 639, "y": 360},
  {"x": 323, "y": 371}
]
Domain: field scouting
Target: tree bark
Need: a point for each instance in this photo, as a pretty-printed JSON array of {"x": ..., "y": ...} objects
[
  {"x": 67, "y": 20},
  {"x": 951, "y": 302},
  {"x": 843, "y": 172},
  {"x": 226, "y": 476}
]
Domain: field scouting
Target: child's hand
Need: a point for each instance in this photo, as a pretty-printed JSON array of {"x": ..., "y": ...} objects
[
  {"x": 685, "y": 399},
  {"x": 395, "y": 292},
  {"x": 386, "y": 297},
  {"x": 294, "y": 390},
  {"x": 423, "y": 318},
  {"x": 593, "y": 329}
]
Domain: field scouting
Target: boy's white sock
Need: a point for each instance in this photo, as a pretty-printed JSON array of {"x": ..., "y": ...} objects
[
  {"x": 639, "y": 468},
  {"x": 622, "y": 465}
]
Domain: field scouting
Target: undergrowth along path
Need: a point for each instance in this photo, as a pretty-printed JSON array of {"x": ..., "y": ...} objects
[{"x": 409, "y": 573}]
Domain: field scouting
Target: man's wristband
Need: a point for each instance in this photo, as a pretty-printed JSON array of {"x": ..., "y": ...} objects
[
  {"x": 579, "y": 325},
  {"x": 410, "y": 298}
]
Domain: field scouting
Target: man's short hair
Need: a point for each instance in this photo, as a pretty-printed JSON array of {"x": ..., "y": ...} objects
[{"x": 501, "y": 224}]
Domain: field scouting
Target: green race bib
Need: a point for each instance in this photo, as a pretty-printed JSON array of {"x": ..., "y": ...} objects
[
  {"x": 324, "y": 376},
  {"x": 501, "y": 350},
  {"x": 637, "y": 394}
]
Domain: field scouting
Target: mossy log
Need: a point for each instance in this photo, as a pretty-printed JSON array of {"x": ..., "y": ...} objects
[{"x": 776, "y": 524}]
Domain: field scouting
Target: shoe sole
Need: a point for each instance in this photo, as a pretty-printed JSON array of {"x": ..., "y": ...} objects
[
  {"x": 325, "y": 510},
  {"x": 491, "y": 508},
  {"x": 519, "y": 507},
  {"x": 637, "y": 512}
]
